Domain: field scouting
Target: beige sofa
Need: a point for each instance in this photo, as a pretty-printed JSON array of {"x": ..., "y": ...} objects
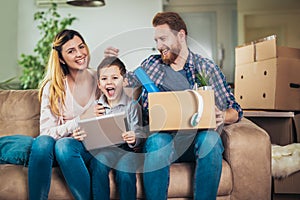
[{"x": 246, "y": 171}]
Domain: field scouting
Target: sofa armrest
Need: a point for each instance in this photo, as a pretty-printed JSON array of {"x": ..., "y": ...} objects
[{"x": 247, "y": 149}]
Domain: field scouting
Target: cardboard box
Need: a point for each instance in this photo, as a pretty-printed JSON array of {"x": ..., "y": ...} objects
[
  {"x": 288, "y": 185},
  {"x": 173, "y": 110},
  {"x": 283, "y": 127},
  {"x": 269, "y": 84},
  {"x": 263, "y": 49},
  {"x": 244, "y": 54}
]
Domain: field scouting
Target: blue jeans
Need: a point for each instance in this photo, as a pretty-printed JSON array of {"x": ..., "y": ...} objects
[
  {"x": 205, "y": 148},
  {"x": 72, "y": 158},
  {"x": 123, "y": 164}
]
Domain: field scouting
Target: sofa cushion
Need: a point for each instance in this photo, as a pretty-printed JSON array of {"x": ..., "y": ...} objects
[{"x": 15, "y": 149}]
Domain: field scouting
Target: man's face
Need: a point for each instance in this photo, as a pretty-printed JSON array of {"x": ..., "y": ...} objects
[{"x": 167, "y": 43}]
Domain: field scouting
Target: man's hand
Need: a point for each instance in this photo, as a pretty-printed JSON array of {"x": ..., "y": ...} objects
[
  {"x": 220, "y": 116},
  {"x": 111, "y": 51}
]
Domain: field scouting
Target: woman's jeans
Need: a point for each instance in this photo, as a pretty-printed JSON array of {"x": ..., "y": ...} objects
[
  {"x": 205, "y": 148},
  {"x": 124, "y": 165},
  {"x": 72, "y": 159}
]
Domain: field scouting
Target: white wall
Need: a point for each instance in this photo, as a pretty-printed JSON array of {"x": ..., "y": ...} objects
[
  {"x": 8, "y": 39},
  {"x": 97, "y": 25}
]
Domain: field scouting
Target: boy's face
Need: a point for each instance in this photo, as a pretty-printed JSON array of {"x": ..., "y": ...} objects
[{"x": 111, "y": 83}]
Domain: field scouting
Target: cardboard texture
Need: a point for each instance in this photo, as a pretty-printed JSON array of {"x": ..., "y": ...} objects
[
  {"x": 263, "y": 49},
  {"x": 244, "y": 54},
  {"x": 269, "y": 84},
  {"x": 173, "y": 110},
  {"x": 288, "y": 185},
  {"x": 283, "y": 129}
]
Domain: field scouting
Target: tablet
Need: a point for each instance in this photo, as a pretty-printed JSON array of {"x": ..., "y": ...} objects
[{"x": 103, "y": 131}]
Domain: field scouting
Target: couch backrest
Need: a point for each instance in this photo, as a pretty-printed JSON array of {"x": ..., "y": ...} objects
[{"x": 19, "y": 112}]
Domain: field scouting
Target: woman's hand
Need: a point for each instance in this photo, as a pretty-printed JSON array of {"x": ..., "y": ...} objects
[
  {"x": 111, "y": 51},
  {"x": 79, "y": 134},
  {"x": 129, "y": 137}
]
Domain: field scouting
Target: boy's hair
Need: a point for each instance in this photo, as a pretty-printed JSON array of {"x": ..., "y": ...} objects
[
  {"x": 173, "y": 19},
  {"x": 109, "y": 61}
]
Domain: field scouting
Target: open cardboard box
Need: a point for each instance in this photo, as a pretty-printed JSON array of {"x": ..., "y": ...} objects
[
  {"x": 173, "y": 110},
  {"x": 267, "y": 76},
  {"x": 263, "y": 49}
]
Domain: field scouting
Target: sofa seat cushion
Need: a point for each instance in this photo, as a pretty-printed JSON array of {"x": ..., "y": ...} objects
[
  {"x": 183, "y": 173},
  {"x": 181, "y": 186},
  {"x": 16, "y": 183}
]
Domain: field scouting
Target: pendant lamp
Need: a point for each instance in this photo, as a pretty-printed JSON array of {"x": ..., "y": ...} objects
[{"x": 86, "y": 3}]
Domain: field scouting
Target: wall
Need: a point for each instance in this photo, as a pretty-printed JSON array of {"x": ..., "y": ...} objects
[
  {"x": 258, "y": 19},
  {"x": 8, "y": 39},
  {"x": 97, "y": 25},
  {"x": 222, "y": 28}
]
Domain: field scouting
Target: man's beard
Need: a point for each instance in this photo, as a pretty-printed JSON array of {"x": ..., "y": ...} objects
[{"x": 171, "y": 56}]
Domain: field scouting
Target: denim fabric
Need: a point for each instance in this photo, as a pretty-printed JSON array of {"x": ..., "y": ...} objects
[
  {"x": 124, "y": 165},
  {"x": 40, "y": 167},
  {"x": 205, "y": 148},
  {"x": 72, "y": 159}
]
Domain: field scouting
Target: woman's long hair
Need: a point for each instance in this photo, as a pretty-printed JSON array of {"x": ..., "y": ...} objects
[{"x": 57, "y": 71}]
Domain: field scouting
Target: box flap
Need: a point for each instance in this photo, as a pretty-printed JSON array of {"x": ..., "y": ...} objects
[{"x": 244, "y": 54}]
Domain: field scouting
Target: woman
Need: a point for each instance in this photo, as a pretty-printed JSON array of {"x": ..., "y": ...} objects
[{"x": 67, "y": 94}]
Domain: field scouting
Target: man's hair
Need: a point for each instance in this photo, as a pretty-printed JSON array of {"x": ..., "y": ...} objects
[
  {"x": 173, "y": 19},
  {"x": 109, "y": 61}
]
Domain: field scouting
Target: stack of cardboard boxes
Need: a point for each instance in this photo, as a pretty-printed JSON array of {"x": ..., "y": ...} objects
[
  {"x": 267, "y": 76},
  {"x": 267, "y": 86}
]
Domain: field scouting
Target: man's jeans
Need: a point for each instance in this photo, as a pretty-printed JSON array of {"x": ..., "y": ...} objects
[
  {"x": 205, "y": 148},
  {"x": 72, "y": 158}
]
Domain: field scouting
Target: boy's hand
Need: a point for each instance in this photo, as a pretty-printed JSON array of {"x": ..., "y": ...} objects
[
  {"x": 129, "y": 137},
  {"x": 99, "y": 110}
]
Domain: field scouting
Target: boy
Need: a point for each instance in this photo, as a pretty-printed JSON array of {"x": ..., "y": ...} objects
[{"x": 121, "y": 158}]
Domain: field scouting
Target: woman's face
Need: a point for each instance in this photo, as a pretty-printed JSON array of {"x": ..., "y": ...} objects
[
  {"x": 111, "y": 83},
  {"x": 75, "y": 54}
]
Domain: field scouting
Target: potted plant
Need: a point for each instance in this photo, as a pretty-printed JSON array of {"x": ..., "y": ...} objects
[
  {"x": 202, "y": 80},
  {"x": 33, "y": 66}
]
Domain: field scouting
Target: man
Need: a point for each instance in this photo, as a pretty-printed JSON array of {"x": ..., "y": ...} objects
[{"x": 173, "y": 70}]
